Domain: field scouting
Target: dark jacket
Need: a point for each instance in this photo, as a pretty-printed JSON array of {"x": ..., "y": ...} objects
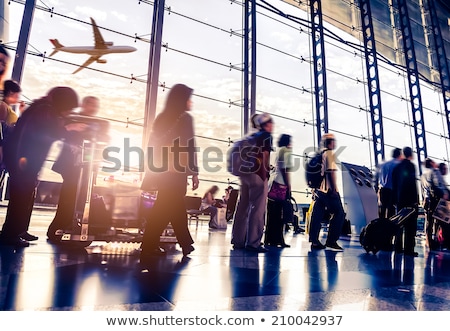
[
  {"x": 404, "y": 184},
  {"x": 171, "y": 149},
  {"x": 36, "y": 130}
]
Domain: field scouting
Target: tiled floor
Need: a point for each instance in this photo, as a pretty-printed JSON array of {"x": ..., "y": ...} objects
[{"x": 217, "y": 278}]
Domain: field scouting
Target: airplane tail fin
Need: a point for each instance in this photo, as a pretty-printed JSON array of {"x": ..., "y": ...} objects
[{"x": 57, "y": 45}]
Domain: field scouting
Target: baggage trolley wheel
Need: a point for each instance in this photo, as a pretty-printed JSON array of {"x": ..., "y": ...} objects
[{"x": 74, "y": 243}]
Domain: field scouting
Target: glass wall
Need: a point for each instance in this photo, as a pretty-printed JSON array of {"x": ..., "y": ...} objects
[{"x": 202, "y": 47}]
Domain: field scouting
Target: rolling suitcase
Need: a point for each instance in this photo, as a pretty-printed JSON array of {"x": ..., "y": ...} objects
[{"x": 379, "y": 233}]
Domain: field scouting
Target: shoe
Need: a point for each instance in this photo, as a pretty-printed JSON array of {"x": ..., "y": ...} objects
[
  {"x": 413, "y": 254},
  {"x": 259, "y": 249},
  {"x": 187, "y": 250},
  {"x": 158, "y": 251},
  {"x": 280, "y": 245},
  {"x": 334, "y": 246},
  {"x": 18, "y": 242},
  {"x": 236, "y": 247},
  {"x": 28, "y": 237},
  {"x": 317, "y": 246}
]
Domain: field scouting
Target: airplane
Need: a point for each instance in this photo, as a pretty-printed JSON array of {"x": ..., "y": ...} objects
[{"x": 99, "y": 49}]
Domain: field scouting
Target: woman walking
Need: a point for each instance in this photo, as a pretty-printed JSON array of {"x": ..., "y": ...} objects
[{"x": 171, "y": 159}]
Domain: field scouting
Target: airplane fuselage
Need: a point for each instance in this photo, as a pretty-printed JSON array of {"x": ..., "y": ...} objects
[
  {"x": 100, "y": 48},
  {"x": 91, "y": 50}
]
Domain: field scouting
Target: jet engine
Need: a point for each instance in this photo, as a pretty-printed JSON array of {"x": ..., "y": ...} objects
[{"x": 101, "y": 61}]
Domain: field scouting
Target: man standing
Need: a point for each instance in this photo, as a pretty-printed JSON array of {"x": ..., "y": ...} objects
[
  {"x": 68, "y": 165},
  {"x": 406, "y": 195},
  {"x": 327, "y": 199},
  {"x": 385, "y": 198},
  {"x": 249, "y": 220}
]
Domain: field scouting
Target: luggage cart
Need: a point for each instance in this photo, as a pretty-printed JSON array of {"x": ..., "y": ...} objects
[{"x": 111, "y": 214}]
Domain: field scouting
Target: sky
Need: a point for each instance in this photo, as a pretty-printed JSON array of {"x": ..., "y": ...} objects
[{"x": 203, "y": 49}]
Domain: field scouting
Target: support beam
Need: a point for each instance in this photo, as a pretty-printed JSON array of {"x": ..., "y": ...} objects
[
  {"x": 444, "y": 72},
  {"x": 320, "y": 79},
  {"x": 24, "y": 36},
  {"x": 373, "y": 82},
  {"x": 413, "y": 82},
  {"x": 249, "y": 49},
  {"x": 153, "y": 68}
]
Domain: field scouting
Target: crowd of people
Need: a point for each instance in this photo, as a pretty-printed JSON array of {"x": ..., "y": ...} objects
[
  {"x": 264, "y": 204},
  {"x": 398, "y": 189}
]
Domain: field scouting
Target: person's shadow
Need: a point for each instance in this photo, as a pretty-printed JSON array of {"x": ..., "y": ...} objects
[
  {"x": 321, "y": 275},
  {"x": 157, "y": 279},
  {"x": 11, "y": 262}
]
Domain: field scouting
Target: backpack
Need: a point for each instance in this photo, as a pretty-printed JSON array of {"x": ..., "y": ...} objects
[
  {"x": 243, "y": 156},
  {"x": 313, "y": 170}
]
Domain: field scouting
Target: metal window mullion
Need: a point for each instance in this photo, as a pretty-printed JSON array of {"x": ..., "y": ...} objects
[
  {"x": 373, "y": 85},
  {"x": 24, "y": 36},
  {"x": 153, "y": 68},
  {"x": 413, "y": 82},
  {"x": 320, "y": 81},
  {"x": 444, "y": 72},
  {"x": 249, "y": 69}
]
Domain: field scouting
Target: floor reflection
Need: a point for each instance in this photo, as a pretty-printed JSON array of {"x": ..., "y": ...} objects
[{"x": 216, "y": 277}]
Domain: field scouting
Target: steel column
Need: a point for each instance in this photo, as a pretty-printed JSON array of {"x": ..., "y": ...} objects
[
  {"x": 413, "y": 82},
  {"x": 373, "y": 82},
  {"x": 153, "y": 68},
  {"x": 24, "y": 36},
  {"x": 444, "y": 72},
  {"x": 320, "y": 79},
  {"x": 249, "y": 49}
]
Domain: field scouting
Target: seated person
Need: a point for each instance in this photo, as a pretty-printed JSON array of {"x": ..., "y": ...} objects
[{"x": 210, "y": 205}]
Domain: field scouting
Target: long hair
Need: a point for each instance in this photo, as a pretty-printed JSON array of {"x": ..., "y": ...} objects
[
  {"x": 213, "y": 190},
  {"x": 284, "y": 140},
  {"x": 176, "y": 104},
  {"x": 62, "y": 98}
]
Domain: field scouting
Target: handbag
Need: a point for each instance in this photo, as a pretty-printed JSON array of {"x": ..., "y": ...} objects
[{"x": 277, "y": 191}]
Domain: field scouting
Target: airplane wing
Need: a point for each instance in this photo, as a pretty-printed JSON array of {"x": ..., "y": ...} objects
[
  {"x": 99, "y": 41},
  {"x": 87, "y": 63}
]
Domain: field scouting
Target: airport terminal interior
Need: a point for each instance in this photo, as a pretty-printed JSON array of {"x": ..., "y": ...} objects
[
  {"x": 313, "y": 66},
  {"x": 109, "y": 276}
]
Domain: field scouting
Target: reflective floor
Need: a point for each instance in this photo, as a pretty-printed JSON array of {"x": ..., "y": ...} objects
[{"x": 217, "y": 278}]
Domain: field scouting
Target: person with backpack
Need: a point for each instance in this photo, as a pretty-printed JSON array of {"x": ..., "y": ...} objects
[
  {"x": 249, "y": 220},
  {"x": 327, "y": 200}
]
